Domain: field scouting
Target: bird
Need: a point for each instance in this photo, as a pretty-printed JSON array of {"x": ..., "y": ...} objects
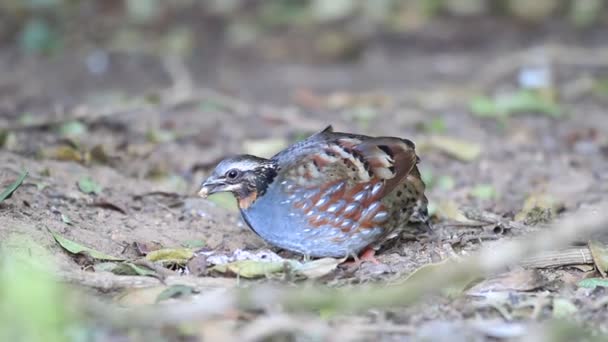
[{"x": 332, "y": 194}]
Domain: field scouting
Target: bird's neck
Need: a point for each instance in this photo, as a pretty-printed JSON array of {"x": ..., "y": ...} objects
[{"x": 257, "y": 185}]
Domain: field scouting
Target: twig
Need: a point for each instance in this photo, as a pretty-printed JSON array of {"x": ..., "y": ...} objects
[
  {"x": 109, "y": 282},
  {"x": 570, "y": 256}
]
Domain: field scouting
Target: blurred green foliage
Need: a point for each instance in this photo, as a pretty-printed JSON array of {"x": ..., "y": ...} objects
[
  {"x": 32, "y": 305},
  {"x": 42, "y": 26}
]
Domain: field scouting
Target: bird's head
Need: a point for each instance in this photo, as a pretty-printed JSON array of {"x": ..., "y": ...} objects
[{"x": 245, "y": 176}]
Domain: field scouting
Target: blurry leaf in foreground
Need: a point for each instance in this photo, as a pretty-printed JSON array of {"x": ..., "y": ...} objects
[
  {"x": 523, "y": 101},
  {"x": 75, "y": 248},
  {"x": 32, "y": 304},
  {"x": 175, "y": 291},
  {"x": 249, "y": 268},
  {"x": 89, "y": 186},
  {"x": 174, "y": 255},
  {"x": 592, "y": 283},
  {"x": 599, "y": 251},
  {"x": 563, "y": 308},
  {"x": 484, "y": 191},
  {"x": 6, "y": 193},
  {"x": 224, "y": 200},
  {"x": 455, "y": 148},
  {"x": 426, "y": 271},
  {"x": 160, "y": 136}
]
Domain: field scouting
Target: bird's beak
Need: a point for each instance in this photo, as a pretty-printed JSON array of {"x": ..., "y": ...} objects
[{"x": 211, "y": 186}]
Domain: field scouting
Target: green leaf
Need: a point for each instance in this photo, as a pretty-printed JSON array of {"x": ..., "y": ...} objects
[
  {"x": 436, "y": 126},
  {"x": 175, "y": 291},
  {"x": 88, "y": 186},
  {"x": 523, "y": 101},
  {"x": 249, "y": 268},
  {"x": 129, "y": 268},
  {"x": 76, "y": 248},
  {"x": 446, "y": 183},
  {"x": 484, "y": 191},
  {"x": 193, "y": 244},
  {"x": 11, "y": 188},
  {"x": 176, "y": 255},
  {"x": 38, "y": 36},
  {"x": 592, "y": 283},
  {"x": 72, "y": 128}
]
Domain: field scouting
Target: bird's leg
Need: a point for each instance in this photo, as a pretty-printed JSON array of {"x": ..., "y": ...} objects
[{"x": 366, "y": 255}]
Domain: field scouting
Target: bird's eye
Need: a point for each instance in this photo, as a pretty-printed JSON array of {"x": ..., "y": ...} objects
[{"x": 232, "y": 174}]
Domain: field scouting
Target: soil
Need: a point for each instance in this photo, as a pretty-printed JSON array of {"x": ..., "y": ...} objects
[{"x": 239, "y": 103}]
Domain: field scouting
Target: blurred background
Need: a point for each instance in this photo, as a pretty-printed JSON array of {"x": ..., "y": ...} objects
[{"x": 120, "y": 99}]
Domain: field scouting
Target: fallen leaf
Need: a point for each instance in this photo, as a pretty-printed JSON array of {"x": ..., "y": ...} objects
[
  {"x": 538, "y": 208},
  {"x": 72, "y": 128},
  {"x": 599, "y": 251},
  {"x": 435, "y": 126},
  {"x": 455, "y": 148},
  {"x": 175, "y": 291},
  {"x": 446, "y": 183},
  {"x": 484, "y": 191},
  {"x": 175, "y": 255},
  {"x": 64, "y": 153},
  {"x": 98, "y": 155},
  {"x": 524, "y": 101},
  {"x": 449, "y": 210},
  {"x": 193, "y": 244},
  {"x": 75, "y": 248},
  {"x": 129, "y": 268},
  {"x": 8, "y": 192},
  {"x": 249, "y": 268},
  {"x": 197, "y": 266},
  {"x": 317, "y": 268},
  {"x": 88, "y": 186},
  {"x": 143, "y": 248},
  {"x": 160, "y": 136},
  {"x": 517, "y": 280},
  {"x": 592, "y": 283},
  {"x": 563, "y": 308}
]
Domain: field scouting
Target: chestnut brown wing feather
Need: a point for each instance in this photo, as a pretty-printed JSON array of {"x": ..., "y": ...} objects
[{"x": 342, "y": 181}]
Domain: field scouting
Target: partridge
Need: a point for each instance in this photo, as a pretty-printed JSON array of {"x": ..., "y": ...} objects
[{"x": 330, "y": 195}]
